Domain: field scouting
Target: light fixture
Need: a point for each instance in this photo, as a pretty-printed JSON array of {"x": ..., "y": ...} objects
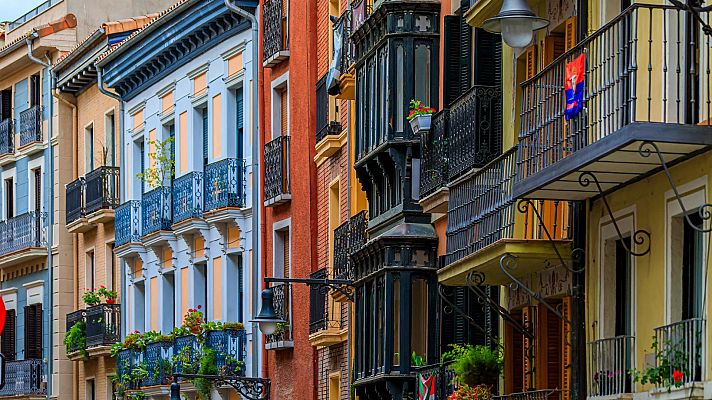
[
  {"x": 175, "y": 389},
  {"x": 267, "y": 318},
  {"x": 516, "y": 22}
]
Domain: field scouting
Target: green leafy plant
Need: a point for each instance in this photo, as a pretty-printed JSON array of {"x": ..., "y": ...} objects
[
  {"x": 416, "y": 360},
  {"x": 91, "y": 298},
  {"x": 76, "y": 339},
  {"x": 418, "y": 108},
  {"x": 109, "y": 296},
  {"x": 163, "y": 164},
  {"x": 464, "y": 392},
  {"x": 282, "y": 327},
  {"x": 670, "y": 368},
  {"x": 475, "y": 365},
  {"x": 208, "y": 366},
  {"x": 220, "y": 326}
]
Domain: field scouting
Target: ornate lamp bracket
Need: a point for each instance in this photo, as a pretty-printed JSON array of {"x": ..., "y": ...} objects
[
  {"x": 343, "y": 286},
  {"x": 450, "y": 307},
  {"x": 474, "y": 283},
  {"x": 248, "y": 388},
  {"x": 508, "y": 263},
  {"x": 646, "y": 149},
  {"x": 640, "y": 237}
]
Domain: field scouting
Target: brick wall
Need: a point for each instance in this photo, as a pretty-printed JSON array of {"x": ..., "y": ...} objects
[{"x": 333, "y": 359}]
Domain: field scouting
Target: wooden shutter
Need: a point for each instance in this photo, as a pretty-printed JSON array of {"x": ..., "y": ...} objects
[
  {"x": 451, "y": 70},
  {"x": 488, "y": 56},
  {"x": 570, "y": 41},
  {"x": 530, "y": 57},
  {"x": 528, "y": 315},
  {"x": 7, "y": 343},
  {"x": 38, "y": 189},
  {"x": 33, "y": 331},
  {"x": 552, "y": 356},
  {"x": 5, "y": 104},
  {"x": 285, "y": 251},
  {"x": 566, "y": 356},
  {"x": 554, "y": 46},
  {"x": 284, "y": 112},
  {"x": 513, "y": 357},
  {"x": 205, "y": 136}
]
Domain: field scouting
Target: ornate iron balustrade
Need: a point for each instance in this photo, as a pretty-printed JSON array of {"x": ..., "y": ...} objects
[
  {"x": 23, "y": 378},
  {"x": 188, "y": 197},
  {"x": 322, "y": 109},
  {"x": 23, "y": 232},
  {"x": 7, "y": 137},
  {"x": 276, "y": 168},
  {"x": 681, "y": 344},
  {"x": 622, "y": 85},
  {"x": 274, "y": 25},
  {"x": 225, "y": 184},
  {"x": 125, "y": 361},
  {"x": 610, "y": 361},
  {"x": 103, "y": 325},
  {"x": 73, "y": 318},
  {"x": 445, "y": 380},
  {"x": 75, "y": 200},
  {"x": 544, "y": 394},
  {"x": 156, "y": 210},
  {"x": 187, "y": 351},
  {"x": 362, "y": 10},
  {"x": 318, "y": 303},
  {"x": 158, "y": 357},
  {"x": 435, "y": 158},
  {"x": 127, "y": 224},
  {"x": 348, "y": 55},
  {"x": 281, "y": 301},
  {"x": 31, "y": 125},
  {"x": 102, "y": 189},
  {"x": 348, "y": 238},
  {"x": 475, "y": 129},
  {"x": 230, "y": 351}
]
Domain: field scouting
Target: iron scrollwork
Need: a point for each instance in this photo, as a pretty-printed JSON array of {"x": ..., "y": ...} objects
[
  {"x": 640, "y": 237},
  {"x": 474, "y": 282},
  {"x": 248, "y": 388},
  {"x": 451, "y": 307}
]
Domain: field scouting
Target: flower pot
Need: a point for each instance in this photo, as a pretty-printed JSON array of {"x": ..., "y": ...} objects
[
  {"x": 110, "y": 301},
  {"x": 421, "y": 123}
]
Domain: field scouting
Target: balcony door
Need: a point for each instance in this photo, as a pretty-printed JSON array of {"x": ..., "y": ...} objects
[
  {"x": 9, "y": 198},
  {"x": 5, "y": 104},
  {"x": 35, "y": 90},
  {"x": 693, "y": 281}
]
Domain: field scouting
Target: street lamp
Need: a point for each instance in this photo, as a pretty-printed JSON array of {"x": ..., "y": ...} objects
[
  {"x": 267, "y": 318},
  {"x": 516, "y": 22}
]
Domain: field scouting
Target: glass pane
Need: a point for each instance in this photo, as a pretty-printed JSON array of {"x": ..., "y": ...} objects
[
  {"x": 422, "y": 73},
  {"x": 399, "y": 88},
  {"x": 396, "y": 321},
  {"x": 419, "y": 323}
]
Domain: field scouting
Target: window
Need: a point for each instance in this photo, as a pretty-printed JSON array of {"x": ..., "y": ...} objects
[
  {"x": 7, "y": 343},
  {"x": 110, "y": 266},
  {"x": 280, "y": 111},
  {"x": 335, "y": 386},
  {"x": 89, "y": 148},
  {"x": 139, "y": 306},
  {"x": 692, "y": 268},
  {"x": 90, "y": 273},
  {"x": 37, "y": 177},
  {"x": 142, "y": 154},
  {"x": 422, "y": 72},
  {"x": 204, "y": 116},
  {"x": 240, "y": 122},
  {"x": 334, "y": 217},
  {"x": 33, "y": 331},
  {"x": 396, "y": 320},
  {"x": 419, "y": 318},
  {"x": 110, "y": 138},
  {"x": 9, "y": 198},
  {"x": 5, "y": 104},
  {"x": 200, "y": 287},
  {"x": 623, "y": 288},
  {"x": 169, "y": 301},
  {"x": 35, "y": 90},
  {"x": 90, "y": 390}
]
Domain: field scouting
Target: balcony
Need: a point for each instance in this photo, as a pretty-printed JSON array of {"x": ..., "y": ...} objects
[
  {"x": 25, "y": 378},
  {"x": 156, "y": 211},
  {"x": 23, "y": 238},
  {"x": 275, "y": 35},
  {"x": 348, "y": 238},
  {"x": 225, "y": 184},
  {"x": 542, "y": 394},
  {"x": 127, "y": 228},
  {"x": 481, "y": 227},
  {"x": 347, "y": 83},
  {"x": 328, "y": 133},
  {"x": 30, "y": 128},
  {"x": 102, "y": 328},
  {"x": 276, "y": 179},
  {"x": 7, "y": 142},
  {"x": 610, "y": 360},
  {"x": 682, "y": 345},
  {"x": 92, "y": 199},
  {"x": 361, "y": 11},
  {"x": 325, "y": 316},
  {"x": 632, "y": 96},
  {"x": 282, "y": 337},
  {"x": 444, "y": 382},
  {"x": 188, "y": 197}
]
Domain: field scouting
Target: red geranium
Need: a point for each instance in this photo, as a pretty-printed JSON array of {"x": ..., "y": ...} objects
[{"x": 677, "y": 376}]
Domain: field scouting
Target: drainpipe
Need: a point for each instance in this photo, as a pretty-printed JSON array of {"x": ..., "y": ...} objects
[
  {"x": 122, "y": 169},
  {"x": 255, "y": 176},
  {"x": 49, "y": 172}
]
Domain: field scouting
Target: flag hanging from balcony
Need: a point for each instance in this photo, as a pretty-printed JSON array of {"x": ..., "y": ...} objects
[
  {"x": 574, "y": 86},
  {"x": 426, "y": 387}
]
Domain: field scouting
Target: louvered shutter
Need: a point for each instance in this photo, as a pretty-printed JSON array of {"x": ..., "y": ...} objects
[
  {"x": 33, "y": 331},
  {"x": 570, "y": 41},
  {"x": 451, "y": 71},
  {"x": 553, "y": 348},
  {"x": 460, "y": 325},
  {"x": 239, "y": 105},
  {"x": 465, "y": 49},
  {"x": 488, "y": 56},
  {"x": 554, "y": 46},
  {"x": 284, "y": 110},
  {"x": 286, "y": 253},
  {"x": 530, "y": 57},
  {"x": 528, "y": 315},
  {"x": 514, "y": 372},
  {"x": 205, "y": 136},
  {"x": 7, "y": 343},
  {"x": 566, "y": 358},
  {"x": 5, "y": 104}
]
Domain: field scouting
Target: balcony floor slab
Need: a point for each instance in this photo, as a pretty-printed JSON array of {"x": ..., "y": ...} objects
[
  {"x": 22, "y": 256},
  {"x": 615, "y": 161},
  {"x": 80, "y": 225}
]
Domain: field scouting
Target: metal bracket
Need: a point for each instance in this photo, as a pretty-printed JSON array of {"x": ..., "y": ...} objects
[
  {"x": 343, "y": 286},
  {"x": 474, "y": 282},
  {"x": 695, "y": 11},
  {"x": 704, "y": 211},
  {"x": 639, "y": 237},
  {"x": 248, "y": 388},
  {"x": 470, "y": 320}
]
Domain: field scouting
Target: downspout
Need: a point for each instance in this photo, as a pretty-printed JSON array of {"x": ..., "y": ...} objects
[
  {"x": 122, "y": 169},
  {"x": 254, "y": 102},
  {"x": 49, "y": 171}
]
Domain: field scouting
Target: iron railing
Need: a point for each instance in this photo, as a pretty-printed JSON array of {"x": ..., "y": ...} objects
[
  {"x": 156, "y": 210},
  {"x": 324, "y": 127},
  {"x": 439, "y": 377},
  {"x": 188, "y": 197},
  {"x": 7, "y": 137},
  {"x": 230, "y": 350},
  {"x": 102, "y": 189},
  {"x": 23, "y": 232},
  {"x": 348, "y": 55},
  {"x": 103, "y": 325},
  {"x": 127, "y": 223},
  {"x": 31, "y": 125},
  {"x": 75, "y": 200},
  {"x": 362, "y": 10},
  {"x": 543, "y": 394},
  {"x": 126, "y": 360},
  {"x": 31, "y": 14},
  {"x": 348, "y": 238},
  {"x": 25, "y": 377},
  {"x": 158, "y": 357},
  {"x": 187, "y": 351},
  {"x": 609, "y": 363},
  {"x": 434, "y": 160},
  {"x": 681, "y": 344},
  {"x": 281, "y": 302},
  {"x": 225, "y": 184},
  {"x": 73, "y": 318},
  {"x": 276, "y": 159},
  {"x": 633, "y": 73},
  {"x": 275, "y": 34},
  {"x": 318, "y": 304}
]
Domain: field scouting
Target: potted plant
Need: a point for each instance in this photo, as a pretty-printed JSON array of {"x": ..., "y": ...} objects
[
  {"x": 109, "y": 296},
  {"x": 75, "y": 340},
  {"x": 670, "y": 367},
  {"x": 91, "y": 298},
  {"x": 475, "y": 365},
  {"x": 420, "y": 116},
  {"x": 464, "y": 392}
]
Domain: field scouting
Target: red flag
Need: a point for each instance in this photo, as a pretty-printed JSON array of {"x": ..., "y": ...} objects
[
  {"x": 3, "y": 314},
  {"x": 573, "y": 86}
]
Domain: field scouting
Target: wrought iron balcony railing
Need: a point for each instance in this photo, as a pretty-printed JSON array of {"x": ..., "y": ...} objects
[
  {"x": 230, "y": 350},
  {"x": 348, "y": 55},
  {"x": 23, "y": 232},
  {"x": 188, "y": 197},
  {"x": 542, "y": 394},
  {"x": 31, "y": 125},
  {"x": 441, "y": 377},
  {"x": 74, "y": 318},
  {"x": 23, "y": 378},
  {"x": 362, "y": 10},
  {"x": 610, "y": 361},
  {"x": 157, "y": 357},
  {"x": 127, "y": 223},
  {"x": 102, "y": 189},
  {"x": 276, "y": 159},
  {"x": 75, "y": 200},
  {"x": 281, "y": 302},
  {"x": 322, "y": 109},
  {"x": 682, "y": 346},
  {"x": 225, "y": 184},
  {"x": 156, "y": 210},
  {"x": 435, "y": 159},
  {"x": 319, "y": 318},
  {"x": 7, "y": 137},
  {"x": 348, "y": 238},
  {"x": 633, "y": 74},
  {"x": 275, "y": 38},
  {"x": 103, "y": 325}
]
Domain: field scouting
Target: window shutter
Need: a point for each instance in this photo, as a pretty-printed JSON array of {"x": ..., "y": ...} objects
[
  {"x": 460, "y": 325},
  {"x": 451, "y": 70},
  {"x": 5, "y": 104},
  {"x": 554, "y": 46},
  {"x": 284, "y": 111},
  {"x": 488, "y": 53},
  {"x": 528, "y": 315},
  {"x": 33, "y": 331},
  {"x": 565, "y": 345},
  {"x": 205, "y": 135},
  {"x": 553, "y": 348},
  {"x": 240, "y": 112},
  {"x": 530, "y": 55},
  {"x": 465, "y": 51},
  {"x": 286, "y": 254},
  {"x": 7, "y": 344},
  {"x": 570, "y": 41}
]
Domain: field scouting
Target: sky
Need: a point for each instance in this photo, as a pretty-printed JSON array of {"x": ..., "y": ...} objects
[{"x": 12, "y": 9}]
